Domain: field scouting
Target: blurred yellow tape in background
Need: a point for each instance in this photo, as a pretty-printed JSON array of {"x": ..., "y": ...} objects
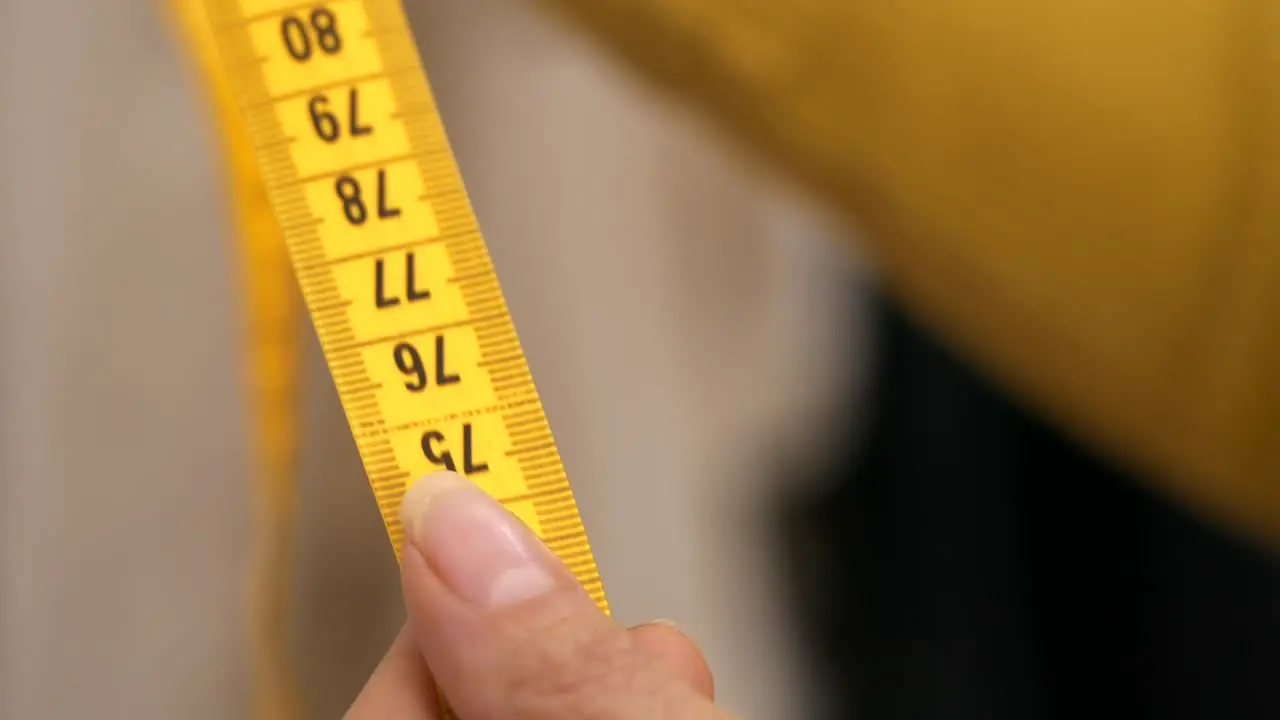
[{"x": 271, "y": 315}]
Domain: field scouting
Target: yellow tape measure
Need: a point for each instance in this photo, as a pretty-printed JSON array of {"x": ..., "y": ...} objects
[
  {"x": 354, "y": 160},
  {"x": 271, "y": 318},
  {"x": 390, "y": 259}
]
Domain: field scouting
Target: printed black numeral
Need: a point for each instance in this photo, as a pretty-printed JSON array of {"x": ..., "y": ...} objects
[
  {"x": 297, "y": 36},
  {"x": 410, "y": 362},
  {"x": 326, "y": 122},
  {"x": 348, "y": 189},
  {"x": 433, "y": 448}
]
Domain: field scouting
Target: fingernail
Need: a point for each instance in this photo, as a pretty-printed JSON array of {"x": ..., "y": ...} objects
[
  {"x": 485, "y": 554},
  {"x": 663, "y": 621}
]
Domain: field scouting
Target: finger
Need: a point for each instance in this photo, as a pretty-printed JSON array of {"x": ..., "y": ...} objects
[
  {"x": 400, "y": 687},
  {"x": 678, "y": 651},
  {"x": 506, "y": 628}
]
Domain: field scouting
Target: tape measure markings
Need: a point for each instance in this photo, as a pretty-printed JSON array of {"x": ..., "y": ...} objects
[{"x": 391, "y": 264}]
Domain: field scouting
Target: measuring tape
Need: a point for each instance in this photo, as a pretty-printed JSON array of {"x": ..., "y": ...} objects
[
  {"x": 352, "y": 155},
  {"x": 271, "y": 316}
]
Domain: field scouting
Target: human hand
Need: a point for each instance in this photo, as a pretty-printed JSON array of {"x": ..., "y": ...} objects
[{"x": 508, "y": 633}]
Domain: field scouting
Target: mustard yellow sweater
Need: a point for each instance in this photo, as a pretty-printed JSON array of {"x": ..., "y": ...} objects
[{"x": 1082, "y": 196}]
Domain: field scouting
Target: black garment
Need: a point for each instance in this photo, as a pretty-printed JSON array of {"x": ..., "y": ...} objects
[{"x": 973, "y": 563}]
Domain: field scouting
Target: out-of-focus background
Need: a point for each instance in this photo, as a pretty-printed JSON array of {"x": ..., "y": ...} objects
[
  {"x": 685, "y": 318},
  {"x": 767, "y": 449}
]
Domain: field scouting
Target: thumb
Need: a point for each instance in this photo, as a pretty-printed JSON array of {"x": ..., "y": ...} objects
[{"x": 507, "y": 630}]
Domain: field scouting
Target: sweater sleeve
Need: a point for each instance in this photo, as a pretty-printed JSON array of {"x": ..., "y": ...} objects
[{"x": 1082, "y": 197}]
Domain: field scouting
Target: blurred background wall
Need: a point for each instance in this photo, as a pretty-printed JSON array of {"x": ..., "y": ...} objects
[{"x": 685, "y": 317}]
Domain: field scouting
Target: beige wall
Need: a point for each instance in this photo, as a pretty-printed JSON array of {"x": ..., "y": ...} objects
[{"x": 679, "y": 314}]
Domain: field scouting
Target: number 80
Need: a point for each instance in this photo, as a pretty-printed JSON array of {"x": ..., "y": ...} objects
[{"x": 297, "y": 37}]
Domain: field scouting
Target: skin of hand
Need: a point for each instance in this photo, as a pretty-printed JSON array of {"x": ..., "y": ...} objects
[{"x": 505, "y": 630}]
